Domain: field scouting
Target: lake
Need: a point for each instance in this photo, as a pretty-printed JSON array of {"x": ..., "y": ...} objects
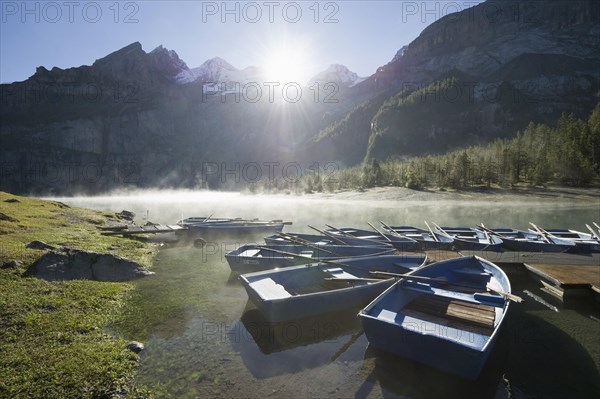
[{"x": 203, "y": 338}]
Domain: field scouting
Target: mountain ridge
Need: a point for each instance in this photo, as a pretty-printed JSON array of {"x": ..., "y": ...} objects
[{"x": 146, "y": 119}]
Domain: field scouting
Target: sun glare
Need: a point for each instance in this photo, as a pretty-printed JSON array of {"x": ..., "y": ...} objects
[{"x": 285, "y": 66}]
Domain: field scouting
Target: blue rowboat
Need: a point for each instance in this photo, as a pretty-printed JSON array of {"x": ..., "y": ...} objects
[
  {"x": 316, "y": 239},
  {"x": 401, "y": 243},
  {"x": 584, "y": 242},
  {"x": 248, "y": 258},
  {"x": 469, "y": 239},
  {"x": 450, "y": 322},
  {"x": 303, "y": 291},
  {"x": 526, "y": 241}
]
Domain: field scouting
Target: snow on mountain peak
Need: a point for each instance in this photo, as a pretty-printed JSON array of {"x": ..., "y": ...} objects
[{"x": 339, "y": 74}]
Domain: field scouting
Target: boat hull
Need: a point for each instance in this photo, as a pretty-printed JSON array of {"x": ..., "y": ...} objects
[
  {"x": 427, "y": 348},
  {"x": 240, "y": 262},
  {"x": 533, "y": 246},
  {"x": 457, "y": 337},
  {"x": 323, "y": 240},
  {"x": 310, "y": 305},
  {"x": 280, "y": 301}
]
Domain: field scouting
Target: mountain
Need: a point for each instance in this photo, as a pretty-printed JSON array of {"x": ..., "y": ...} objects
[
  {"x": 476, "y": 75},
  {"x": 336, "y": 74},
  {"x": 145, "y": 119}
]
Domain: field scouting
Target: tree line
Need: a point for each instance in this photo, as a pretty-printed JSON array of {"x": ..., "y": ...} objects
[{"x": 566, "y": 154}]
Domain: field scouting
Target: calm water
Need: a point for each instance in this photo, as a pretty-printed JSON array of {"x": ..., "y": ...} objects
[{"x": 203, "y": 338}]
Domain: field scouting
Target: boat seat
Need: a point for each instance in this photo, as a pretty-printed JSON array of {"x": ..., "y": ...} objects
[
  {"x": 269, "y": 289},
  {"x": 453, "y": 313},
  {"x": 471, "y": 272},
  {"x": 338, "y": 272},
  {"x": 250, "y": 252},
  {"x": 473, "y": 298}
]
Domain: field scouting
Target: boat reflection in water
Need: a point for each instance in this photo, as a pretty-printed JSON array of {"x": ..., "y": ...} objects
[{"x": 270, "y": 349}]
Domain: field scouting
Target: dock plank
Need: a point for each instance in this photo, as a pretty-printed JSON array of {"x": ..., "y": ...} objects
[
  {"x": 149, "y": 229},
  {"x": 510, "y": 257},
  {"x": 567, "y": 275}
]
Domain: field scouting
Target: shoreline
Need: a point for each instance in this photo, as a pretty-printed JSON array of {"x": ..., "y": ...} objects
[
  {"x": 519, "y": 194},
  {"x": 61, "y": 327}
]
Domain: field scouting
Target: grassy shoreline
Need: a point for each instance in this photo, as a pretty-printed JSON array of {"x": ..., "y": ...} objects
[{"x": 54, "y": 341}]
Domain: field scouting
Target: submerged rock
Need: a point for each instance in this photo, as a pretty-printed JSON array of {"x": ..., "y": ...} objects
[
  {"x": 39, "y": 245},
  {"x": 74, "y": 264},
  {"x": 135, "y": 346}
]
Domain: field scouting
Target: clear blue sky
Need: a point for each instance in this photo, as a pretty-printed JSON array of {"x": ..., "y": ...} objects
[{"x": 362, "y": 35}]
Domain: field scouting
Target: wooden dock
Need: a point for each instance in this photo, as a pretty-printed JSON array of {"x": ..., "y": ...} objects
[
  {"x": 559, "y": 273},
  {"x": 131, "y": 229},
  {"x": 562, "y": 279}
]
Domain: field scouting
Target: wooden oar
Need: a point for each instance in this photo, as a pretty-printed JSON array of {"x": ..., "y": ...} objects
[
  {"x": 410, "y": 276},
  {"x": 380, "y": 233},
  {"x": 329, "y": 262},
  {"x": 442, "y": 230},
  {"x": 596, "y": 225},
  {"x": 328, "y": 235},
  {"x": 347, "y": 280},
  {"x": 209, "y": 216},
  {"x": 540, "y": 232},
  {"x": 594, "y": 235},
  {"x": 291, "y": 254},
  {"x": 490, "y": 231},
  {"x": 391, "y": 230},
  {"x": 510, "y": 297},
  {"x": 366, "y": 240},
  {"x": 485, "y": 234},
  {"x": 339, "y": 230},
  {"x": 286, "y": 253},
  {"x": 432, "y": 233},
  {"x": 318, "y": 248},
  {"x": 294, "y": 239}
]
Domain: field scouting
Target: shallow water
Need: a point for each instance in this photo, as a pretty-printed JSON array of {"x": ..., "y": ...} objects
[{"x": 203, "y": 338}]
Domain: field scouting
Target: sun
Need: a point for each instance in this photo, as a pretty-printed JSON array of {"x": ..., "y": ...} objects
[{"x": 287, "y": 65}]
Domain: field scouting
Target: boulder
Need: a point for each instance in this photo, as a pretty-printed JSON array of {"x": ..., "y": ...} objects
[
  {"x": 13, "y": 264},
  {"x": 7, "y": 218},
  {"x": 109, "y": 267},
  {"x": 75, "y": 264},
  {"x": 39, "y": 245},
  {"x": 126, "y": 215}
]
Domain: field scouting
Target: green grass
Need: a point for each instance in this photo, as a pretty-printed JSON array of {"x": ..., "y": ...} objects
[{"x": 53, "y": 337}]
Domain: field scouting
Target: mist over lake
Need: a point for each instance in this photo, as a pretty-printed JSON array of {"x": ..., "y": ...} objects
[{"x": 163, "y": 206}]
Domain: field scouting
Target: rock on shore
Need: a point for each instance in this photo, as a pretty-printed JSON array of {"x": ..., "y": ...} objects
[{"x": 74, "y": 264}]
